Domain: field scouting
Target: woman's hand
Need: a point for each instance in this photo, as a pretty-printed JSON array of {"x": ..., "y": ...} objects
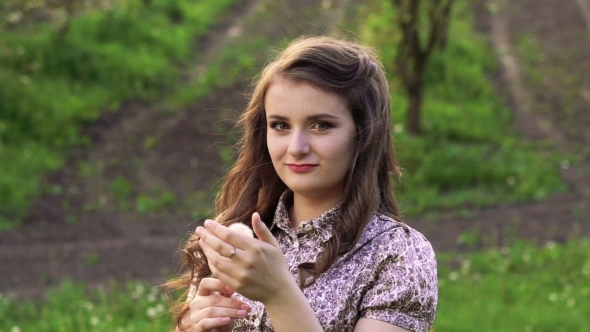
[
  {"x": 213, "y": 308},
  {"x": 257, "y": 268}
]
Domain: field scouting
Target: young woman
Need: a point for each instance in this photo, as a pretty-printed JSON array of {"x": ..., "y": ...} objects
[{"x": 314, "y": 180}]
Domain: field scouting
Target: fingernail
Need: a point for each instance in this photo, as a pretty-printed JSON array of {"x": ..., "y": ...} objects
[
  {"x": 245, "y": 307},
  {"x": 207, "y": 223},
  {"x": 199, "y": 231},
  {"x": 225, "y": 320},
  {"x": 242, "y": 313}
]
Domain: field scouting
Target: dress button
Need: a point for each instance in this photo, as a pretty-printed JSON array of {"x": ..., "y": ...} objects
[{"x": 308, "y": 227}]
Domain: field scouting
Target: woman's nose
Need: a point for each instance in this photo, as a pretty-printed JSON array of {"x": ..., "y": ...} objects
[{"x": 299, "y": 144}]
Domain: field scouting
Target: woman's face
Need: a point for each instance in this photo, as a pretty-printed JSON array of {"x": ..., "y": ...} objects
[{"x": 310, "y": 138}]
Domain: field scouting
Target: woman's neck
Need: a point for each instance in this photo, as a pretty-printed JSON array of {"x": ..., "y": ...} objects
[{"x": 306, "y": 208}]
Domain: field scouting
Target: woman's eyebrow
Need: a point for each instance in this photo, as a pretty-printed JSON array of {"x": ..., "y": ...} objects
[
  {"x": 309, "y": 118},
  {"x": 321, "y": 116}
]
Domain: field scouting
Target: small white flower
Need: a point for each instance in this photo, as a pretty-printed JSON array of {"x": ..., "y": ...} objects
[
  {"x": 526, "y": 257},
  {"x": 151, "y": 298},
  {"x": 159, "y": 308},
  {"x": 453, "y": 276},
  {"x": 151, "y": 312},
  {"x": 15, "y": 329},
  {"x": 139, "y": 288},
  {"x": 466, "y": 264},
  {"x": 398, "y": 128},
  {"x": 94, "y": 320},
  {"x": 550, "y": 245},
  {"x": 571, "y": 302},
  {"x": 552, "y": 297},
  {"x": 528, "y": 329}
]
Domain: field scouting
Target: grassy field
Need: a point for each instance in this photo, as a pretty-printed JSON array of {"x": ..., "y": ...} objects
[
  {"x": 53, "y": 83},
  {"x": 519, "y": 288},
  {"x": 115, "y": 307}
]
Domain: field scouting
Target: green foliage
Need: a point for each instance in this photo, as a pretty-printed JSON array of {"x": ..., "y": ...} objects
[
  {"x": 121, "y": 190},
  {"x": 52, "y": 82},
  {"x": 156, "y": 202},
  {"x": 133, "y": 306},
  {"x": 519, "y": 288},
  {"x": 468, "y": 152}
]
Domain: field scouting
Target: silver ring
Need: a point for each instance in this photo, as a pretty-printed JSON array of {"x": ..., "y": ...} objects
[{"x": 232, "y": 253}]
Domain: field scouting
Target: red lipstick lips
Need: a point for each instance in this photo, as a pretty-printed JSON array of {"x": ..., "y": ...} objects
[{"x": 301, "y": 168}]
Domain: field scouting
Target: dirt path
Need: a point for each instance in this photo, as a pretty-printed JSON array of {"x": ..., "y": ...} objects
[
  {"x": 546, "y": 39},
  {"x": 87, "y": 228}
]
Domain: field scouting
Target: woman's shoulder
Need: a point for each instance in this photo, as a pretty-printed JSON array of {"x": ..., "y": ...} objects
[
  {"x": 395, "y": 237},
  {"x": 386, "y": 241}
]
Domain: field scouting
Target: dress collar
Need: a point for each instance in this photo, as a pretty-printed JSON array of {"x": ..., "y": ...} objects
[{"x": 319, "y": 227}]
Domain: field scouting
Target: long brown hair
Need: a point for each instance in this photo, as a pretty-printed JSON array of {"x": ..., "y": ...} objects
[{"x": 252, "y": 185}]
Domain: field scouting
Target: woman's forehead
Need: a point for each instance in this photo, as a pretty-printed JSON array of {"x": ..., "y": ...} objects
[{"x": 289, "y": 97}]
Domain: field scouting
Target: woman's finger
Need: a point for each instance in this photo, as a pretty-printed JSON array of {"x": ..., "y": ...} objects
[
  {"x": 205, "y": 325},
  {"x": 262, "y": 232},
  {"x": 218, "y": 301},
  {"x": 210, "y": 285},
  {"x": 223, "y": 248},
  {"x": 217, "y": 312},
  {"x": 222, "y": 268}
]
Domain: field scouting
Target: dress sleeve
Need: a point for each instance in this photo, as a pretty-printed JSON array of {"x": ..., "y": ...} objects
[{"x": 404, "y": 286}]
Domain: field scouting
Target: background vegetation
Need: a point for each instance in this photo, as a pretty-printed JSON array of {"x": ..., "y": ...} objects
[
  {"x": 468, "y": 152},
  {"x": 53, "y": 83}
]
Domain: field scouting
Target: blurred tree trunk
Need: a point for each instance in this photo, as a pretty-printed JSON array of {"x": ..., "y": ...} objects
[
  {"x": 70, "y": 8},
  {"x": 416, "y": 46}
]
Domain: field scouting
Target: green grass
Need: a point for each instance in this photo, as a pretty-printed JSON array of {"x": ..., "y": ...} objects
[
  {"x": 468, "y": 153},
  {"x": 517, "y": 288},
  {"x": 520, "y": 288},
  {"x": 132, "y": 306},
  {"x": 53, "y": 83}
]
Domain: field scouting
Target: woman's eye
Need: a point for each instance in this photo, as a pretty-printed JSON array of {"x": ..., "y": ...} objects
[
  {"x": 279, "y": 126},
  {"x": 322, "y": 125}
]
